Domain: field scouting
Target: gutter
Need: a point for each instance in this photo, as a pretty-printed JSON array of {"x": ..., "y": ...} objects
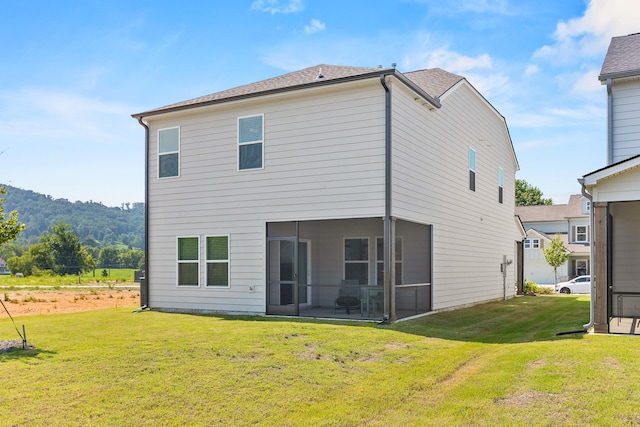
[
  {"x": 144, "y": 286},
  {"x": 592, "y": 301},
  {"x": 609, "y": 122}
]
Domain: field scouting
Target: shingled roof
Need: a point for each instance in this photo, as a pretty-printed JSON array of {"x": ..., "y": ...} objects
[
  {"x": 544, "y": 213},
  {"x": 433, "y": 82},
  {"x": 623, "y": 57}
]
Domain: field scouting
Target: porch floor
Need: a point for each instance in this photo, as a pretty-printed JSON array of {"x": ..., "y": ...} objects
[{"x": 624, "y": 325}]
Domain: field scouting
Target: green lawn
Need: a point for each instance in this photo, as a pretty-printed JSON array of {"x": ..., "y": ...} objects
[
  {"x": 495, "y": 364},
  {"x": 97, "y": 277}
]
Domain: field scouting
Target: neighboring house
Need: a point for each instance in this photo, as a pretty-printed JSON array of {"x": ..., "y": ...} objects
[
  {"x": 393, "y": 190},
  {"x": 571, "y": 222},
  {"x": 615, "y": 190},
  {"x": 3, "y": 267}
]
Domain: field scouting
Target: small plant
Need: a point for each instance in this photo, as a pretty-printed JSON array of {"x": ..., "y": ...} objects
[
  {"x": 105, "y": 273},
  {"x": 533, "y": 288}
]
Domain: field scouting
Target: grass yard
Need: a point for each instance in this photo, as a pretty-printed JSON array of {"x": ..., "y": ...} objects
[
  {"x": 114, "y": 277},
  {"x": 495, "y": 364}
]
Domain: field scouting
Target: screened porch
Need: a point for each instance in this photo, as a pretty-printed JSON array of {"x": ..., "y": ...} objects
[{"x": 335, "y": 269}]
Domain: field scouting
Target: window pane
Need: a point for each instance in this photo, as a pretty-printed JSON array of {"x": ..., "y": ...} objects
[
  {"x": 398, "y": 273},
  {"x": 472, "y": 180},
  {"x": 379, "y": 249},
  {"x": 500, "y": 177},
  {"x": 357, "y": 271},
  {"x": 188, "y": 274},
  {"x": 217, "y": 274},
  {"x": 250, "y": 156},
  {"x": 250, "y": 129},
  {"x": 188, "y": 249},
  {"x": 218, "y": 248},
  {"x": 356, "y": 249},
  {"x": 169, "y": 140},
  {"x": 472, "y": 159},
  {"x": 168, "y": 165}
]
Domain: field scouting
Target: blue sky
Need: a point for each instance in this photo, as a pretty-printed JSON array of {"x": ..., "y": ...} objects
[{"x": 71, "y": 76}]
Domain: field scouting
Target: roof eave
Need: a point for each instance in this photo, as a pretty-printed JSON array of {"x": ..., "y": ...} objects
[{"x": 619, "y": 75}]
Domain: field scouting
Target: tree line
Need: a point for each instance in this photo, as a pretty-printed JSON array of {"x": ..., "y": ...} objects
[
  {"x": 59, "y": 250},
  {"x": 94, "y": 223}
]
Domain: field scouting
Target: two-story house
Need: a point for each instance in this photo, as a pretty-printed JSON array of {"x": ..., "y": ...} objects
[
  {"x": 3, "y": 267},
  {"x": 331, "y": 191},
  {"x": 542, "y": 223},
  {"x": 615, "y": 193}
]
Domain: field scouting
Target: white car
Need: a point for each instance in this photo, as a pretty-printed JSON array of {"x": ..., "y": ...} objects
[{"x": 578, "y": 285}]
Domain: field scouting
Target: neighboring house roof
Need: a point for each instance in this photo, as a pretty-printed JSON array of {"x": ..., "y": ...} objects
[
  {"x": 544, "y": 213},
  {"x": 623, "y": 58},
  {"x": 2, "y": 262},
  {"x": 430, "y": 83}
]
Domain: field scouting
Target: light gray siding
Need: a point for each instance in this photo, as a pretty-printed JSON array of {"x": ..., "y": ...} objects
[
  {"x": 323, "y": 158},
  {"x": 626, "y": 119},
  {"x": 471, "y": 230}
]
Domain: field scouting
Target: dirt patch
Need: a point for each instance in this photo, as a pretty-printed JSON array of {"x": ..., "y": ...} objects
[{"x": 29, "y": 302}]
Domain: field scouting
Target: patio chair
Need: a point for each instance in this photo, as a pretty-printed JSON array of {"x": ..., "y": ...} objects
[{"x": 348, "y": 296}]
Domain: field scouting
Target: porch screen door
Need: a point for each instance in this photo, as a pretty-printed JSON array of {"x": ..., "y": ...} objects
[{"x": 281, "y": 287}]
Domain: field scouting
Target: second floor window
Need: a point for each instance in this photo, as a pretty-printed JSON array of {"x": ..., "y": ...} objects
[
  {"x": 472, "y": 169},
  {"x": 580, "y": 233},
  {"x": 168, "y": 152},
  {"x": 500, "y": 185},
  {"x": 250, "y": 142}
]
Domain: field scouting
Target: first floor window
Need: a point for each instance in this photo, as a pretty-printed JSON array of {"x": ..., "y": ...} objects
[
  {"x": 527, "y": 244},
  {"x": 581, "y": 267},
  {"x": 356, "y": 260},
  {"x": 218, "y": 261},
  {"x": 380, "y": 261},
  {"x": 250, "y": 142},
  {"x": 168, "y": 152},
  {"x": 188, "y": 261}
]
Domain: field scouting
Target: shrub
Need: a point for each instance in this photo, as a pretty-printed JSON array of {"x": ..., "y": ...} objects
[{"x": 531, "y": 287}]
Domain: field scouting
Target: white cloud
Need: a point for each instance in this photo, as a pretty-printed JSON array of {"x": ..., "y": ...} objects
[
  {"x": 275, "y": 6},
  {"x": 531, "y": 70},
  {"x": 314, "y": 27},
  {"x": 589, "y": 35}
]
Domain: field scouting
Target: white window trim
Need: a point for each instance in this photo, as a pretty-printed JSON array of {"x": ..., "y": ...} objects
[
  {"x": 217, "y": 261},
  {"x": 535, "y": 243},
  {"x": 576, "y": 233},
  {"x": 168, "y": 152},
  {"x": 398, "y": 261},
  {"x": 527, "y": 243},
  {"x": 178, "y": 261},
  {"x": 239, "y": 144},
  {"x": 367, "y": 261}
]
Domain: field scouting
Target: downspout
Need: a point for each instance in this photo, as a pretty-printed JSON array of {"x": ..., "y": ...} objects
[
  {"x": 609, "y": 123},
  {"x": 389, "y": 244},
  {"x": 144, "y": 291},
  {"x": 592, "y": 302}
]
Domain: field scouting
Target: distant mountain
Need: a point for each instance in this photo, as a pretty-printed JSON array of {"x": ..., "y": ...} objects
[{"x": 95, "y": 223}]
